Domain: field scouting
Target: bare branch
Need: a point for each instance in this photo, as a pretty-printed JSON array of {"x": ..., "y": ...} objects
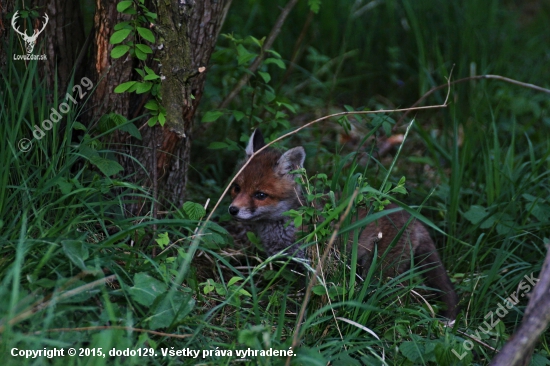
[
  {"x": 257, "y": 62},
  {"x": 519, "y": 348}
]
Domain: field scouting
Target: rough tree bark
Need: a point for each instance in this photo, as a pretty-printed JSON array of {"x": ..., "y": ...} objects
[
  {"x": 65, "y": 39},
  {"x": 5, "y": 8},
  {"x": 106, "y": 72},
  {"x": 187, "y": 31}
]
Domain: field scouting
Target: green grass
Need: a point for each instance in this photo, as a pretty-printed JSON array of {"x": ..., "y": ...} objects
[{"x": 478, "y": 170}]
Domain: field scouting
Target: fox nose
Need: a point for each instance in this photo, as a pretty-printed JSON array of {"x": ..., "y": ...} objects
[{"x": 233, "y": 210}]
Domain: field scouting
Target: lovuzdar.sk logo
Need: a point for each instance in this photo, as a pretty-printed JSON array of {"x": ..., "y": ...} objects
[{"x": 30, "y": 41}]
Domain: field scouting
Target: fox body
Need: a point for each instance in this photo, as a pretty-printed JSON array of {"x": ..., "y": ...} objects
[{"x": 265, "y": 189}]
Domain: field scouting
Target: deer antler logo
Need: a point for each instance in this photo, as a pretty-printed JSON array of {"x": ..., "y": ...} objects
[{"x": 30, "y": 41}]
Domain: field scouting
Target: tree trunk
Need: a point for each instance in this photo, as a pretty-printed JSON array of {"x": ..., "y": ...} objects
[
  {"x": 65, "y": 39},
  {"x": 106, "y": 72},
  {"x": 186, "y": 35},
  {"x": 5, "y": 25}
]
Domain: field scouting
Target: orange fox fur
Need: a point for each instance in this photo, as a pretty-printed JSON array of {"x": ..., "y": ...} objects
[{"x": 265, "y": 189}]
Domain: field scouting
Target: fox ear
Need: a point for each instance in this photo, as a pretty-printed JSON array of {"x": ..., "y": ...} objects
[
  {"x": 255, "y": 143},
  {"x": 291, "y": 160}
]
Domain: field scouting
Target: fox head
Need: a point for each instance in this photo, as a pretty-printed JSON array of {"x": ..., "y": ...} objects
[{"x": 265, "y": 188}]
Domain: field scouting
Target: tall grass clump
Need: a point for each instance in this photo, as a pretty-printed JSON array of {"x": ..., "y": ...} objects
[{"x": 76, "y": 271}]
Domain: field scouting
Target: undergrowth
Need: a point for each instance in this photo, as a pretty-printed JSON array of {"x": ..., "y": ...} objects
[{"x": 77, "y": 272}]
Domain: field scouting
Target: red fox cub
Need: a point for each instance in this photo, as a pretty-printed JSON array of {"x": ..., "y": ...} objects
[{"x": 265, "y": 189}]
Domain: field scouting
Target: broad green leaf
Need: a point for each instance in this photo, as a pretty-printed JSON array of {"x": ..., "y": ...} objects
[
  {"x": 163, "y": 240},
  {"x": 143, "y": 87},
  {"x": 146, "y": 289},
  {"x": 194, "y": 210},
  {"x": 132, "y": 130},
  {"x": 123, "y": 5},
  {"x": 152, "y": 105},
  {"x": 211, "y": 116},
  {"x": 411, "y": 350},
  {"x": 79, "y": 126},
  {"x": 314, "y": 5},
  {"x": 275, "y": 61},
  {"x": 171, "y": 309},
  {"x": 140, "y": 54},
  {"x": 119, "y": 51},
  {"x": 243, "y": 55},
  {"x": 238, "y": 115},
  {"x": 146, "y": 34},
  {"x": 265, "y": 76},
  {"x": 151, "y": 77},
  {"x": 106, "y": 166},
  {"x": 144, "y": 48},
  {"x": 387, "y": 128},
  {"x": 124, "y": 86},
  {"x": 475, "y": 214},
  {"x": 76, "y": 251},
  {"x": 119, "y": 36},
  {"x": 233, "y": 281}
]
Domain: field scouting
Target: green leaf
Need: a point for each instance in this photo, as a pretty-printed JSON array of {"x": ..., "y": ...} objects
[
  {"x": 171, "y": 309},
  {"x": 119, "y": 36},
  {"x": 475, "y": 214},
  {"x": 411, "y": 350},
  {"x": 132, "y": 130},
  {"x": 319, "y": 290},
  {"x": 152, "y": 105},
  {"x": 79, "y": 126},
  {"x": 162, "y": 118},
  {"x": 314, "y": 5},
  {"x": 146, "y": 34},
  {"x": 122, "y": 25},
  {"x": 123, "y": 5},
  {"x": 106, "y": 166},
  {"x": 387, "y": 128},
  {"x": 146, "y": 289},
  {"x": 243, "y": 56},
  {"x": 151, "y": 77},
  {"x": 298, "y": 221},
  {"x": 275, "y": 61},
  {"x": 152, "y": 121},
  {"x": 233, "y": 280},
  {"x": 76, "y": 251},
  {"x": 119, "y": 51},
  {"x": 144, "y": 48},
  {"x": 65, "y": 186},
  {"x": 163, "y": 240},
  {"x": 140, "y": 54},
  {"x": 211, "y": 116},
  {"x": 194, "y": 210},
  {"x": 143, "y": 87},
  {"x": 124, "y": 86},
  {"x": 238, "y": 115},
  {"x": 265, "y": 76}
]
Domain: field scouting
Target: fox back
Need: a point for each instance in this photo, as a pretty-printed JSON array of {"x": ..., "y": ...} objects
[{"x": 265, "y": 189}]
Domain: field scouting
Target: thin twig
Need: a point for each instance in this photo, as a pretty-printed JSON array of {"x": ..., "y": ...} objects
[
  {"x": 258, "y": 61},
  {"x": 36, "y": 308},
  {"x": 477, "y": 77},
  {"x": 318, "y": 269},
  {"x": 477, "y": 340}
]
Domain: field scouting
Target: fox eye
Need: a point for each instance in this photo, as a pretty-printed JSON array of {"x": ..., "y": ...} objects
[
  {"x": 260, "y": 196},
  {"x": 236, "y": 188}
]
